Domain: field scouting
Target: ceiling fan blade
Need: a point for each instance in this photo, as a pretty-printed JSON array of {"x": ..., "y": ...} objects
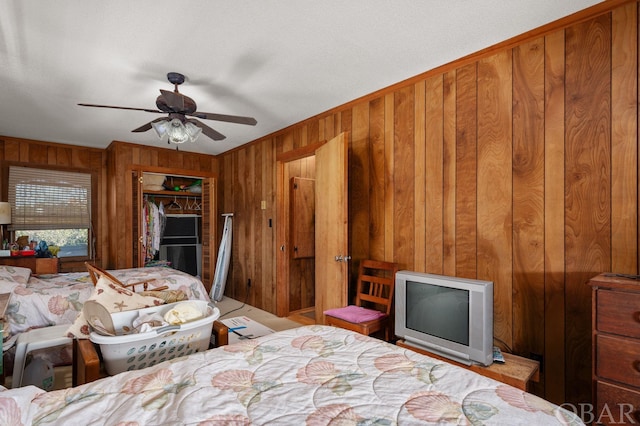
[
  {"x": 228, "y": 118},
  {"x": 118, "y": 107},
  {"x": 147, "y": 126},
  {"x": 174, "y": 100},
  {"x": 213, "y": 134}
]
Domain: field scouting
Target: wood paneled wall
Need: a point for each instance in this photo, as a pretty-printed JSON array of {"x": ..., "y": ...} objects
[
  {"x": 246, "y": 179},
  {"x": 15, "y": 151},
  {"x": 518, "y": 165}
]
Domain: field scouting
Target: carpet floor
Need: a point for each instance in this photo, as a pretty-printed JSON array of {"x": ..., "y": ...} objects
[{"x": 230, "y": 308}]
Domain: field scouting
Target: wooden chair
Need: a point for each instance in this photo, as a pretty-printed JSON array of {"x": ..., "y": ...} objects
[
  {"x": 372, "y": 310},
  {"x": 95, "y": 273}
]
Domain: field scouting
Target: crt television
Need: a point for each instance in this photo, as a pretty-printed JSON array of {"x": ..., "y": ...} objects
[
  {"x": 181, "y": 243},
  {"x": 451, "y": 317}
]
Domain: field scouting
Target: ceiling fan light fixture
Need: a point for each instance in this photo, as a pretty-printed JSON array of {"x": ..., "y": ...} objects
[
  {"x": 177, "y": 131},
  {"x": 178, "y": 127}
]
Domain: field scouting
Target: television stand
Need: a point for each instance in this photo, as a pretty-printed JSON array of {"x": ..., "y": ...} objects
[{"x": 516, "y": 371}]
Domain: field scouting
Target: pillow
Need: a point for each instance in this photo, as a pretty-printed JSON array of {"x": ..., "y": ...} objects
[
  {"x": 15, "y": 273},
  {"x": 355, "y": 314},
  {"x": 13, "y": 276},
  {"x": 115, "y": 298}
]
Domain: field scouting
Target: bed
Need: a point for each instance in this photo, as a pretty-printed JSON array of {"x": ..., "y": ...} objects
[
  {"x": 46, "y": 300},
  {"x": 313, "y": 374}
]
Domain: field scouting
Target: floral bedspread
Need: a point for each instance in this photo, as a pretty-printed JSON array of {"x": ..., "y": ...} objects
[
  {"x": 57, "y": 299},
  {"x": 315, "y": 375}
]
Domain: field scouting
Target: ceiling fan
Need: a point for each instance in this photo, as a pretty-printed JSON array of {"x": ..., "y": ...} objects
[{"x": 179, "y": 126}]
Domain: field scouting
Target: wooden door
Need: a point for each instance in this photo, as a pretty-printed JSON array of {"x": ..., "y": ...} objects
[
  {"x": 209, "y": 234},
  {"x": 136, "y": 219},
  {"x": 332, "y": 221}
]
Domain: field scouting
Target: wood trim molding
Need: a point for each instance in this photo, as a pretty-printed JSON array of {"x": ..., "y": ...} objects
[
  {"x": 48, "y": 143},
  {"x": 299, "y": 153},
  {"x": 171, "y": 171}
]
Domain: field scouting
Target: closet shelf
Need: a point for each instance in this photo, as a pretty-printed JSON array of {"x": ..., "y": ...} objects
[{"x": 179, "y": 194}]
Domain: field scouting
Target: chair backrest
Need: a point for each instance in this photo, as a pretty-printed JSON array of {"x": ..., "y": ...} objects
[
  {"x": 376, "y": 285},
  {"x": 95, "y": 273}
]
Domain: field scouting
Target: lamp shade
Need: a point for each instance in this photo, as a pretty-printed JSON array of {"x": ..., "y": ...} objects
[
  {"x": 160, "y": 127},
  {"x": 177, "y": 132},
  {"x": 193, "y": 131},
  {"x": 5, "y": 213}
]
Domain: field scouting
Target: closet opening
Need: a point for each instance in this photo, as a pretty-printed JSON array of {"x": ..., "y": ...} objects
[{"x": 171, "y": 222}]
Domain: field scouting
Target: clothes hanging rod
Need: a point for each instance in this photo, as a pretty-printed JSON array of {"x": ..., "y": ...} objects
[
  {"x": 174, "y": 194},
  {"x": 227, "y": 214}
]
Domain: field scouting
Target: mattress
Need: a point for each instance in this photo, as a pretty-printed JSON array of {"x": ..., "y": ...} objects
[
  {"x": 57, "y": 299},
  {"x": 315, "y": 375}
]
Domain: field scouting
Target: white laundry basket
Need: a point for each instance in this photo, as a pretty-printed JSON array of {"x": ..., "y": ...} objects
[{"x": 139, "y": 350}]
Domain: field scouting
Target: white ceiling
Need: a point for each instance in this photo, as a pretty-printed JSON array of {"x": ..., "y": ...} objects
[{"x": 280, "y": 61}]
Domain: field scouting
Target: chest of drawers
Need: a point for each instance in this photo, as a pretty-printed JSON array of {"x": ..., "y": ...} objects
[{"x": 616, "y": 349}]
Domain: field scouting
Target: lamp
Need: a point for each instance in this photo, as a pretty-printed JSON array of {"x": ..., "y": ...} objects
[
  {"x": 5, "y": 216},
  {"x": 177, "y": 131}
]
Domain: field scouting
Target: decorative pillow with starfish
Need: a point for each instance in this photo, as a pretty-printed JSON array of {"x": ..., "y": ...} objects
[{"x": 115, "y": 298}]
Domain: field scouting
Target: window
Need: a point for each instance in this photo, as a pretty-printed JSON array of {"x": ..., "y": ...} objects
[{"x": 52, "y": 206}]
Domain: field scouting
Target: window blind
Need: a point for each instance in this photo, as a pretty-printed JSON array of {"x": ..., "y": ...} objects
[{"x": 49, "y": 199}]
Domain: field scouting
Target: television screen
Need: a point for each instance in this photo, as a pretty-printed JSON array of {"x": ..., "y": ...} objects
[
  {"x": 183, "y": 257},
  {"x": 448, "y": 316},
  {"x": 438, "y": 311}
]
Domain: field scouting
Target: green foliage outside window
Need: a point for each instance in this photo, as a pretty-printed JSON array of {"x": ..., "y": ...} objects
[{"x": 72, "y": 242}]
